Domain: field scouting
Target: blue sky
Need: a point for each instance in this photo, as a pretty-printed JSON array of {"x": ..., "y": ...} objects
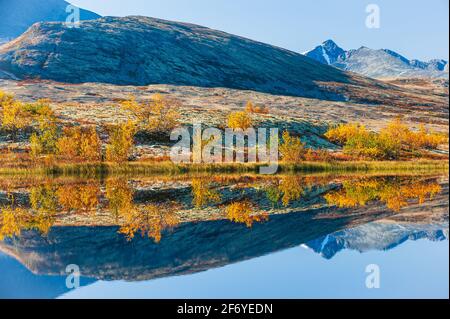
[{"x": 414, "y": 28}]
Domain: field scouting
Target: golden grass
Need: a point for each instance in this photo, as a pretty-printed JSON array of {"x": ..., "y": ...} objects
[{"x": 169, "y": 168}]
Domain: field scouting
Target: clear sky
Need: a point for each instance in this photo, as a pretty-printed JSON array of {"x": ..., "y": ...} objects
[{"x": 414, "y": 28}]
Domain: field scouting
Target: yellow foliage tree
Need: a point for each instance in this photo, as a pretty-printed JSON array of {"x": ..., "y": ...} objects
[
  {"x": 344, "y": 132},
  {"x": 392, "y": 192},
  {"x": 240, "y": 120},
  {"x": 243, "y": 212},
  {"x": 292, "y": 149},
  {"x": 150, "y": 220},
  {"x": 159, "y": 115},
  {"x": 121, "y": 142},
  {"x": 203, "y": 194}
]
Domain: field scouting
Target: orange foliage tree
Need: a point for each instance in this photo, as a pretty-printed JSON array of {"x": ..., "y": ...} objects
[{"x": 79, "y": 142}]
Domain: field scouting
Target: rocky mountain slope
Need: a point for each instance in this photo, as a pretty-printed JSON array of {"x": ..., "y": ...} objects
[
  {"x": 140, "y": 51},
  {"x": 19, "y": 15},
  {"x": 381, "y": 63}
]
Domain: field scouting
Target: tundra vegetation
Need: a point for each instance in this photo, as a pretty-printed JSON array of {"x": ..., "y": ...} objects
[{"x": 51, "y": 141}]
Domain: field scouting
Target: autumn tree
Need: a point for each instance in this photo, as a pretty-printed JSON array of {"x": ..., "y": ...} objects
[
  {"x": 79, "y": 142},
  {"x": 159, "y": 115},
  {"x": 250, "y": 107},
  {"x": 14, "y": 114},
  {"x": 292, "y": 149},
  {"x": 341, "y": 133},
  {"x": 240, "y": 120},
  {"x": 121, "y": 142},
  {"x": 43, "y": 142},
  {"x": 82, "y": 198}
]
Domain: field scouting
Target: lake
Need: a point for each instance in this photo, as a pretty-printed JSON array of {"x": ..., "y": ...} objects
[{"x": 228, "y": 236}]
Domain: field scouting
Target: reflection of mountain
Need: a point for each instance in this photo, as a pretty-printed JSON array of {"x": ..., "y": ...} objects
[
  {"x": 16, "y": 281},
  {"x": 209, "y": 240},
  {"x": 376, "y": 236},
  {"x": 102, "y": 253}
]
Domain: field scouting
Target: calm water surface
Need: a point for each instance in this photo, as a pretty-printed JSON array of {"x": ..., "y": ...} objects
[{"x": 225, "y": 237}]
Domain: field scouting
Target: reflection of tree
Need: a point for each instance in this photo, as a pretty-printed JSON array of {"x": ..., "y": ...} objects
[
  {"x": 393, "y": 192},
  {"x": 120, "y": 196},
  {"x": 289, "y": 189},
  {"x": 12, "y": 221},
  {"x": 41, "y": 215},
  {"x": 244, "y": 212},
  {"x": 203, "y": 194},
  {"x": 44, "y": 205},
  {"x": 80, "y": 197},
  {"x": 149, "y": 220}
]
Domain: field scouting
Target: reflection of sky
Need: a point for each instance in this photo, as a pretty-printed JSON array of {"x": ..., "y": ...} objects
[{"x": 415, "y": 269}]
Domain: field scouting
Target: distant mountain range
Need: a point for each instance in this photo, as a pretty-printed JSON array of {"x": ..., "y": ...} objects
[
  {"x": 381, "y": 63},
  {"x": 19, "y": 15}
]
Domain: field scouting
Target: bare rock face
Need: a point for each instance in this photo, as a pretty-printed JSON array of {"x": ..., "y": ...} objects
[{"x": 140, "y": 51}]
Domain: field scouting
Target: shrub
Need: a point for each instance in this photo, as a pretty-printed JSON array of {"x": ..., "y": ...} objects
[
  {"x": 121, "y": 142},
  {"x": 252, "y": 108},
  {"x": 372, "y": 146},
  {"x": 292, "y": 149},
  {"x": 343, "y": 132},
  {"x": 239, "y": 120},
  {"x": 14, "y": 115},
  {"x": 83, "y": 143},
  {"x": 159, "y": 115}
]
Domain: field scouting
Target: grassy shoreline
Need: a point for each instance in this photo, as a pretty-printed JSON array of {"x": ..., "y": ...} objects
[{"x": 168, "y": 168}]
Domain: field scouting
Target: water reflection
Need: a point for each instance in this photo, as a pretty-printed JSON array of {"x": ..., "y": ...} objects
[
  {"x": 144, "y": 228},
  {"x": 150, "y": 207}
]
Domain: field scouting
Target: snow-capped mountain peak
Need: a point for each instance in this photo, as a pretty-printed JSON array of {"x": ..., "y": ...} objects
[
  {"x": 381, "y": 63},
  {"x": 326, "y": 53}
]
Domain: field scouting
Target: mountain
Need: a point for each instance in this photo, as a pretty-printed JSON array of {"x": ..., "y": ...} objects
[
  {"x": 21, "y": 14},
  {"x": 381, "y": 63},
  {"x": 326, "y": 53},
  {"x": 141, "y": 51},
  {"x": 377, "y": 236},
  {"x": 17, "y": 282}
]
